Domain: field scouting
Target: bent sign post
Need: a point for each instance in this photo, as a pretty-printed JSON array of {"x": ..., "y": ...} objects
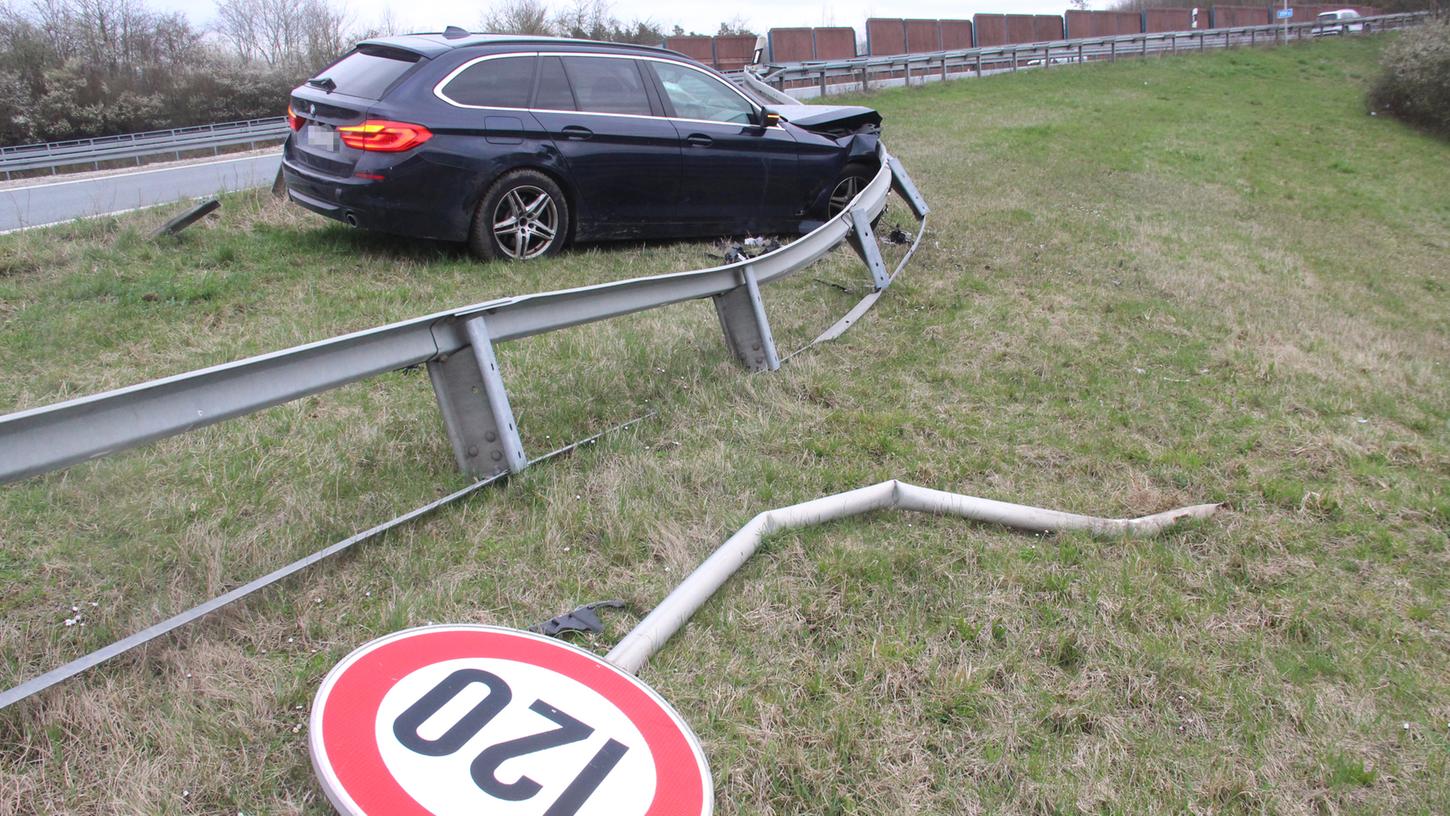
[{"x": 479, "y": 719}]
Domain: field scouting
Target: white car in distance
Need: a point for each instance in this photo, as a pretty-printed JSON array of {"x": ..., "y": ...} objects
[{"x": 1343, "y": 21}]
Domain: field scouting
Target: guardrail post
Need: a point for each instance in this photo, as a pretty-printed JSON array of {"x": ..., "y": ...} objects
[
  {"x": 906, "y": 188},
  {"x": 747, "y": 331},
  {"x": 863, "y": 240},
  {"x": 944, "y": 68},
  {"x": 475, "y": 406},
  {"x": 823, "y": 83},
  {"x": 979, "y": 66},
  {"x": 1113, "y": 51}
]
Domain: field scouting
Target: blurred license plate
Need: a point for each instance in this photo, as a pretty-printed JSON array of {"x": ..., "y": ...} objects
[{"x": 322, "y": 137}]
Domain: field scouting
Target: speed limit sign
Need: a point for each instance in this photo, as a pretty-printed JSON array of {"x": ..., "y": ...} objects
[{"x": 485, "y": 720}]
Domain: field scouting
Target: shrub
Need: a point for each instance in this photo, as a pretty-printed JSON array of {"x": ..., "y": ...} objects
[{"x": 1416, "y": 83}]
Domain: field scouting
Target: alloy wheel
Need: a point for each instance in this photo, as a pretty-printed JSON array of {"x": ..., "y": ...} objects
[
  {"x": 525, "y": 222},
  {"x": 845, "y": 190}
]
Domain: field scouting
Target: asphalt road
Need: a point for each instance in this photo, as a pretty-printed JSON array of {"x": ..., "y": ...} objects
[{"x": 55, "y": 202}]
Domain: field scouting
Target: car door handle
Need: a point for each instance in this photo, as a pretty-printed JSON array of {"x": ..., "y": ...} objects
[
  {"x": 577, "y": 132},
  {"x": 699, "y": 140}
]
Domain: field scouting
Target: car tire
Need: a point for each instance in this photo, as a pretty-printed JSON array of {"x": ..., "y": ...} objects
[
  {"x": 523, "y": 216},
  {"x": 854, "y": 177}
]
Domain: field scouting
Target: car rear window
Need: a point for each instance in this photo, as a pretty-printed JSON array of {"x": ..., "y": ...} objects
[
  {"x": 606, "y": 85},
  {"x": 368, "y": 71},
  {"x": 505, "y": 82}
]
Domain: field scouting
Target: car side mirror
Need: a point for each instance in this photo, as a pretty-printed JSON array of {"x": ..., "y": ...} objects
[{"x": 770, "y": 119}]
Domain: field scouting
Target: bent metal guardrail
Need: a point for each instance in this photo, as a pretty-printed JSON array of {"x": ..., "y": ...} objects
[
  {"x": 856, "y": 73},
  {"x": 54, "y": 155},
  {"x": 636, "y": 648},
  {"x": 456, "y": 345}
]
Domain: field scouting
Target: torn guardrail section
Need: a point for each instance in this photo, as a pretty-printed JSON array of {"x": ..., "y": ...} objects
[
  {"x": 665, "y": 620},
  {"x": 47, "y": 438},
  {"x": 35, "y": 685},
  {"x": 186, "y": 219}
]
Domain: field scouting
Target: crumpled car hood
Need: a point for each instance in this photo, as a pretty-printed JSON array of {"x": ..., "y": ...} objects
[{"x": 827, "y": 117}]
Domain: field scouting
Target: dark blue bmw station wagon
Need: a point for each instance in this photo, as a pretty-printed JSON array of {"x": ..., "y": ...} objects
[{"x": 520, "y": 145}]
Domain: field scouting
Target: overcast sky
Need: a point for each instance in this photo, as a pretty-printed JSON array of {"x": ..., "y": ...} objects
[{"x": 433, "y": 15}]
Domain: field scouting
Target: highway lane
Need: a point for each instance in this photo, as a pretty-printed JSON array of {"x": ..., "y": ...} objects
[{"x": 55, "y": 202}]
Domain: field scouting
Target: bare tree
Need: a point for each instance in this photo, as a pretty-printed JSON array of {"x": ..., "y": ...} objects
[
  {"x": 280, "y": 32},
  {"x": 238, "y": 22},
  {"x": 735, "y": 26},
  {"x": 71, "y": 68},
  {"x": 328, "y": 31},
  {"x": 177, "y": 43},
  {"x": 519, "y": 17},
  {"x": 386, "y": 25},
  {"x": 283, "y": 33},
  {"x": 586, "y": 19},
  {"x": 53, "y": 18},
  {"x": 109, "y": 34}
]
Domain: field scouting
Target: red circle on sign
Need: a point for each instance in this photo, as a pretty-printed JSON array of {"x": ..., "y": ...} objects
[{"x": 343, "y": 739}]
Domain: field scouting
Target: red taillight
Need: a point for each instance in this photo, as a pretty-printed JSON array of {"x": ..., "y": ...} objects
[
  {"x": 293, "y": 120},
  {"x": 383, "y": 136}
]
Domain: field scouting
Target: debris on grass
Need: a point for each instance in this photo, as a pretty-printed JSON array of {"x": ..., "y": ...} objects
[{"x": 737, "y": 251}]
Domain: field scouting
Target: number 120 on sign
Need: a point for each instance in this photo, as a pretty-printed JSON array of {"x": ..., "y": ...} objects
[{"x": 481, "y": 720}]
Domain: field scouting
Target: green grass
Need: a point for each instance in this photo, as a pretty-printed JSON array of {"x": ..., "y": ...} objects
[{"x": 1206, "y": 278}]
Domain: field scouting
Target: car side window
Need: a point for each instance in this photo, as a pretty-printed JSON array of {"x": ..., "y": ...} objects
[
  {"x": 607, "y": 85},
  {"x": 494, "y": 83},
  {"x": 695, "y": 95},
  {"x": 554, "y": 92}
]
